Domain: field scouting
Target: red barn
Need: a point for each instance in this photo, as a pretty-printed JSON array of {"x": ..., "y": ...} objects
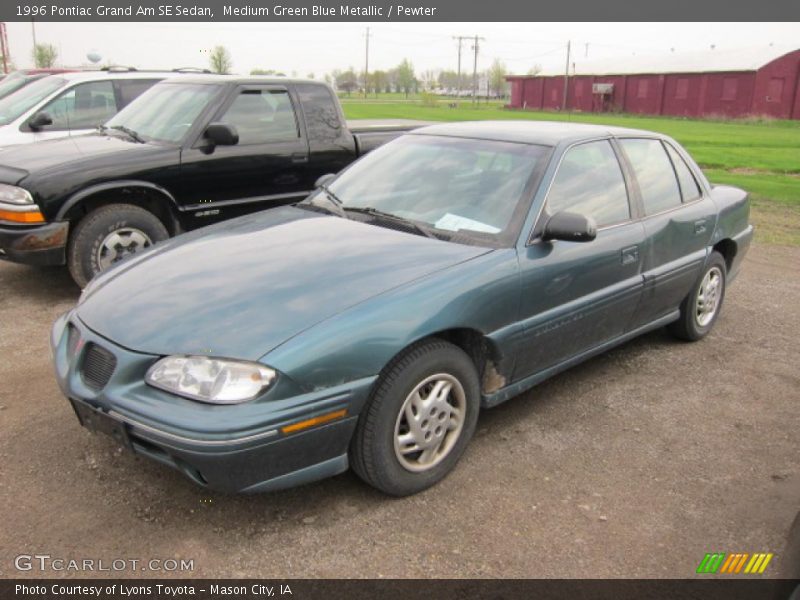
[{"x": 731, "y": 83}]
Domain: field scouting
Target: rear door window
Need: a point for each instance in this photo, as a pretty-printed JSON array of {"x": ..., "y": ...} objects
[
  {"x": 84, "y": 106},
  {"x": 130, "y": 89},
  {"x": 262, "y": 116},
  {"x": 653, "y": 169},
  {"x": 590, "y": 182}
]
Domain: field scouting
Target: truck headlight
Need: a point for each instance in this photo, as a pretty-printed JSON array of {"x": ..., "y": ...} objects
[
  {"x": 12, "y": 194},
  {"x": 208, "y": 379}
]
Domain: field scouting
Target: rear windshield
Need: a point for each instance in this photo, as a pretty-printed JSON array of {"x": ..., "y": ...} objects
[{"x": 18, "y": 103}]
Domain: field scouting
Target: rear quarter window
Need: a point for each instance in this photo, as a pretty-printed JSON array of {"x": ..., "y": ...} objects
[
  {"x": 688, "y": 184},
  {"x": 321, "y": 112}
]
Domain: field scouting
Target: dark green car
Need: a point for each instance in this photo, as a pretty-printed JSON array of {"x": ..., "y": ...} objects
[{"x": 448, "y": 271}]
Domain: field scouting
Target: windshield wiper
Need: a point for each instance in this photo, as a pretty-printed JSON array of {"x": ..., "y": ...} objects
[
  {"x": 131, "y": 133},
  {"x": 333, "y": 206},
  {"x": 374, "y": 212}
]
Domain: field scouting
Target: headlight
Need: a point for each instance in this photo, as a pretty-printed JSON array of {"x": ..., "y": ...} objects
[
  {"x": 213, "y": 380},
  {"x": 12, "y": 194}
]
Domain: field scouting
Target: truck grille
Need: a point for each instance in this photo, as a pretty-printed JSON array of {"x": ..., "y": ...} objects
[{"x": 98, "y": 366}]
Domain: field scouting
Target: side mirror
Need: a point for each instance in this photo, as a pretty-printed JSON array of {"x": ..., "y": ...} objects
[
  {"x": 39, "y": 120},
  {"x": 222, "y": 134},
  {"x": 570, "y": 227},
  {"x": 324, "y": 180}
]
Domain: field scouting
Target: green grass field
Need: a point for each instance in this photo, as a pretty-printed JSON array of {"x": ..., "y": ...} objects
[{"x": 762, "y": 157}]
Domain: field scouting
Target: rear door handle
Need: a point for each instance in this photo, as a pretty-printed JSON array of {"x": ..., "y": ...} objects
[
  {"x": 630, "y": 255},
  {"x": 299, "y": 157},
  {"x": 699, "y": 226}
]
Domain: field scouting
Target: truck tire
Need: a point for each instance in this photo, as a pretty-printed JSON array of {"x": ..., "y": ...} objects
[
  {"x": 107, "y": 235},
  {"x": 700, "y": 309},
  {"x": 418, "y": 420}
]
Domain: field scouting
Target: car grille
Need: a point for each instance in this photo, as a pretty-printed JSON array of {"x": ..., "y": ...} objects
[{"x": 98, "y": 366}]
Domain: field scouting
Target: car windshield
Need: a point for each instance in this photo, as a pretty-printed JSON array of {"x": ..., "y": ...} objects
[
  {"x": 474, "y": 187},
  {"x": 18, "y": 103},
  {"x": 165, "y": 112},
  {"x": 16, "y": 80}
]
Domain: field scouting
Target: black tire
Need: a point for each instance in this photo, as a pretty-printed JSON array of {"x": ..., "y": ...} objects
[
  {"x": 92, "y": 230},
  {"x": 372, "y": 451},
  {"x": 688, "y": 327}
]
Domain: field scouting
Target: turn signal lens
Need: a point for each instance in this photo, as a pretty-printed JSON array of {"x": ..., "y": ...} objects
[
  {"x": 14, "y": 216},
  {"x": 322, "y": 419}
]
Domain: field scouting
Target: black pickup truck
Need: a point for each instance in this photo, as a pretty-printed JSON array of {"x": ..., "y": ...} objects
[{"x": 186, "y": 153}]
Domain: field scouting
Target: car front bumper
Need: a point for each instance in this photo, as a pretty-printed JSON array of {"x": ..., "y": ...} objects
[
  {"x": 234, "y": 448},
  {"x": 41, "y": 245}
]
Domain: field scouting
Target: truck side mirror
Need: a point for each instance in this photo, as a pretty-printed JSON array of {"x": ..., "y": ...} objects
[
  {"x": 222, "y": 134},
  {"x": 324, "y": 180},
  {"x": 39, "y": 120},
  {"x": 570, "y": 227}
]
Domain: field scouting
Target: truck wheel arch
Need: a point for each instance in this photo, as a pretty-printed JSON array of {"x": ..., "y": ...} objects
[{"x": 146, "y": 195}]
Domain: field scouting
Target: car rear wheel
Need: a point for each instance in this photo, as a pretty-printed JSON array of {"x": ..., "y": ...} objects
[
  {"x": 700, "y": 309},
  {"x": 419, "y": 419},
  {"x": 107, "y": 235}
]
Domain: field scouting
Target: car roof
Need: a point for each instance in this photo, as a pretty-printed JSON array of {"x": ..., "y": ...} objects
[
  {"x": 545, "y": 133},
  {"x": 242, "y": 80},
  {"x": 100, "y": 75}
]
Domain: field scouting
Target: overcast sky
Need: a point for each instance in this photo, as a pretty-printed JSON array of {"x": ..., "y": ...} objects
[{"x": 318, "y": 48}]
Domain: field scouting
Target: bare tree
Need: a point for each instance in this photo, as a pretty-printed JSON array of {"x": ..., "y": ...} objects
[
  {"x": 44, "y": 56},
  {"x": 220, "y": 60}
]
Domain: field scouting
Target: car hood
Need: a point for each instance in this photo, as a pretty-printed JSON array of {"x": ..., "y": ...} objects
[
  {"x": 44, "y": 155},
  {"x": 243, "y": 287}
]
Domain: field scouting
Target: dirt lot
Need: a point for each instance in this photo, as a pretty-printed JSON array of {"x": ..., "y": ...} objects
[{"x": 634, "y": 464}]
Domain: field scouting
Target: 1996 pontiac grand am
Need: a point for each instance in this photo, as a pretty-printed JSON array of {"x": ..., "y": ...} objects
[{"x": 449, "y": 270}]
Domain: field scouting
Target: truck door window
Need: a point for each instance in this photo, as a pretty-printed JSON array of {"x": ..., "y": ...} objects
[
  {"x": 85, "y": 106},
  {"x": 653, "y": 169},
  {"x": 262, "y": 117},
  {"x": 590, "y": 182},
  {"x": 322, "y": 116}
]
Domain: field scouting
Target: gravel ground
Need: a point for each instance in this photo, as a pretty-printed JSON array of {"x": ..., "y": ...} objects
[{"x": 634, "y": 464}]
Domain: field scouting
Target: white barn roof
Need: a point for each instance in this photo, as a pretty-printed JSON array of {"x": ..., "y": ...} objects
[{"x": 719, "y": 60}]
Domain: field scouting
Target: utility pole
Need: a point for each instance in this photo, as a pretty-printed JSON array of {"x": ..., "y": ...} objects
[
  {"x": 33, "y": 32},
  {"x": 566, "y": 79},
  {"x": 475, "y": 69},
  {"x": 459, "y": 38},
  {"x": 366, "y": 68}
]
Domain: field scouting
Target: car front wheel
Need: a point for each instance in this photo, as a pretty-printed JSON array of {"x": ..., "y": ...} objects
[
  {"x": 419, "y": 419},
  {"x": 107, "y": 235},
  {"x": 700, "y": 309}
]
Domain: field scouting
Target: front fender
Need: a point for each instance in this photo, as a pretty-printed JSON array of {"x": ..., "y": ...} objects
[
  {"x": 84, "y": 193},
  {"x": 480, "y": 294}
]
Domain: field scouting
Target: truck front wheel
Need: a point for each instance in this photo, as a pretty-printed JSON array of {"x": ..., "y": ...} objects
[{"x": 107, "y": 235}]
